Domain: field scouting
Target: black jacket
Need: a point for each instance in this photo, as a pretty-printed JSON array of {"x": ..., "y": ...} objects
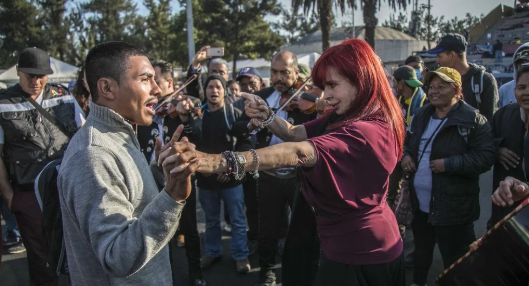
[
  {"x": 264, "y": 136},
  {"x": 195, "y": 88},
  {"x": 489, "y": 96},
  {"x": 216, "y": 138},
  {"x": 466, "y": 141},
  {"x": 30, "y": 140},
  {"x": 147, "y": 134},
  {"x": 508, "y": 130}
]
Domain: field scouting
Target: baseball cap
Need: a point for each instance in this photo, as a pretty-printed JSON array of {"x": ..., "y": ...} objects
[
  {"x": 413, "y": 59},
  {"x": 446, "y": 74},
  {"x": 34, "y": 61},
  {"x": 248, "y": 72},
  {"x": 521, "y": 54},
  {"x": 450, "y": 42},
  {"x": 407, "y": 74},
  {"x": 304, "y": 71}
]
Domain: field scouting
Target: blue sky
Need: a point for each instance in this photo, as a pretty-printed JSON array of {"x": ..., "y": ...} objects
[{"x": 448, "y": 8}]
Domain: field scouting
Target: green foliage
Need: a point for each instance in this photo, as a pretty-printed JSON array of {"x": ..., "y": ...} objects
[
  {"x": 21, "y": 26},
  {"x": 438, "y": 25},
  {"x": 236, "y": 25},
  {"x": 69, "y": 33}
]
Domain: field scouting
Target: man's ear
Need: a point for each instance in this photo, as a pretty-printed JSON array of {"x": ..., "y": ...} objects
[
  {"x": 107, "y": 88},
  {"x": 170, "y": 81}
]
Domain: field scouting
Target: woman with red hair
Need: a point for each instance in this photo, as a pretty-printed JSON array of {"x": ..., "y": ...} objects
[{"x": 346, "y": 157}]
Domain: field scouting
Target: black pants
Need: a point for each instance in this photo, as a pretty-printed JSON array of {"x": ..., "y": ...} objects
[
  {"x": 274, "y": 197},
  {"x": 339, "y": 274},
  {"x": 453, "y": 241},
  {"x": 26, "y": 209},
  {"x": 188, "y": 227},
  {"x": 302, "y": 246},
  {"x": 252, "y": 207},
  {"x": 394, "y": 184}
]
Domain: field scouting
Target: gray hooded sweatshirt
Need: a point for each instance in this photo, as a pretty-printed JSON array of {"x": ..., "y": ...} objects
[{"x": 507, "y": 90}]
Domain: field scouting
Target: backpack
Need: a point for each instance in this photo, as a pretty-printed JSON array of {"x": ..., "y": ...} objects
[
  {"x": 47, "y": 194},
  {"x": 477, "y": 86}
]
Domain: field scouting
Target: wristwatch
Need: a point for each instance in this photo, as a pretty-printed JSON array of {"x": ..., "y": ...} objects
[{"x": 241, "y": 159}]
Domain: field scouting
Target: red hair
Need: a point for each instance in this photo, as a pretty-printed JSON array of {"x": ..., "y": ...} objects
[{"x": 355, "y": 60}]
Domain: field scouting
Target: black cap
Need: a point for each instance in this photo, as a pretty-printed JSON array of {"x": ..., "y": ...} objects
[
  {"x": 34, "y": 61},
  {"x": 413, "y": 59},
  {"x": 407, "y": 74},
  {"x": 450, "y": 42},
  {"x": 248, "y": 72}
]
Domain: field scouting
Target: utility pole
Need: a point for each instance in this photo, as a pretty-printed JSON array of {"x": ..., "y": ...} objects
[
  {"x": 354, "y": 30},
  {"x": 429, "y": 22},
  {"x": 190, "y": 31}
]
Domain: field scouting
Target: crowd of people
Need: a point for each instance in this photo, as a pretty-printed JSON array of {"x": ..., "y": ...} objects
[{"x": 308, "y": 168}]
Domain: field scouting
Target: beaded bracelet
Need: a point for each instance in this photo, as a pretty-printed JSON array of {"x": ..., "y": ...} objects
[
  {"x": 269, "y": 120},
  {"x": 230, "y": 162},
  {"x": 255, "y": 157}
]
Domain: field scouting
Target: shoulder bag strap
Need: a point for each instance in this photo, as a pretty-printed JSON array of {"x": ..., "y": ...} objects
[{"x": 48, "y": 116}]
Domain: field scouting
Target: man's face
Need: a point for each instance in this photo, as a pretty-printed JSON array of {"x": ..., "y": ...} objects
[
  {"x": 215, "y": 92},
  {"x": 398, "y": 85},
  {"x": 521, "y": 91},
  {"x": 283, "y": 75},
  {"x": 220, "y": 69},
  {"x": 32, "y": 84},
  {"x": 250, "y": 84},
  {"x": 137, "y": 92},
  {"x": 418, "y": 67},
  {"x": 445, "y": 59},
  {"x": 163, "y": 81}
]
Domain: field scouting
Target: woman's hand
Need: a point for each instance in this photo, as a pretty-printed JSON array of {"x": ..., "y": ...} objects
[
  {"x": 408, "y": 165},
  {"x": 184, "y": 108},
  {"x": 255, "y": 106},
  {"x": 510, "y": 191},
  {"x": 438, "y": 166},
  {"x": 508, "y": 158}
]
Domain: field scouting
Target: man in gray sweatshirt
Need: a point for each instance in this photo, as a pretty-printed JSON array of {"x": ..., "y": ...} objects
[{"x": 116, "y": 222}]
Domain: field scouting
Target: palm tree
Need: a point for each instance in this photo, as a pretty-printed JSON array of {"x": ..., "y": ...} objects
[{"x": 324, "y": 7}]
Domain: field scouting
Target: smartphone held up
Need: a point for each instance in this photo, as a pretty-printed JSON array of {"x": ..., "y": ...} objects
[{"x": 215, "y": 52}]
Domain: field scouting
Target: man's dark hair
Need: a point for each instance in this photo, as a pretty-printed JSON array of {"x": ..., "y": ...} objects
[
  {"x": 294, "y": 58},
  {"x": 165, "y": 67},
  {"x": 109, "y": 60},
  {"x": 232, "y": 81}
]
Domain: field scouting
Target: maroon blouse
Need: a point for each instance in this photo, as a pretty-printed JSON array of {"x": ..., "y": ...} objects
[{"x": 348, "y": 188}]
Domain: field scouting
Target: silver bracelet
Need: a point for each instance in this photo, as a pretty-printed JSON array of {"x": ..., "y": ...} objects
[
  {"x": 255, "y": 159},
  {"x": 240, "y": 163},
  {"x": 270, "y": 119}
]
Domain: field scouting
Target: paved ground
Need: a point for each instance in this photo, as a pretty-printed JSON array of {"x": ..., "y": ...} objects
[{"x": 14, "y": 267}]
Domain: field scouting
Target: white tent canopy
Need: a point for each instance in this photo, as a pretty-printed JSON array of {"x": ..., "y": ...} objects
[
  {"x": 62, "y": 73},
  {"x": 263, "y": 66}
]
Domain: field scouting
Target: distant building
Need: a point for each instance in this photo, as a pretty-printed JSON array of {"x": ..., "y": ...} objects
[
  {"x": 500, "y": 24},
  {"x": 390, "y": 45}
]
